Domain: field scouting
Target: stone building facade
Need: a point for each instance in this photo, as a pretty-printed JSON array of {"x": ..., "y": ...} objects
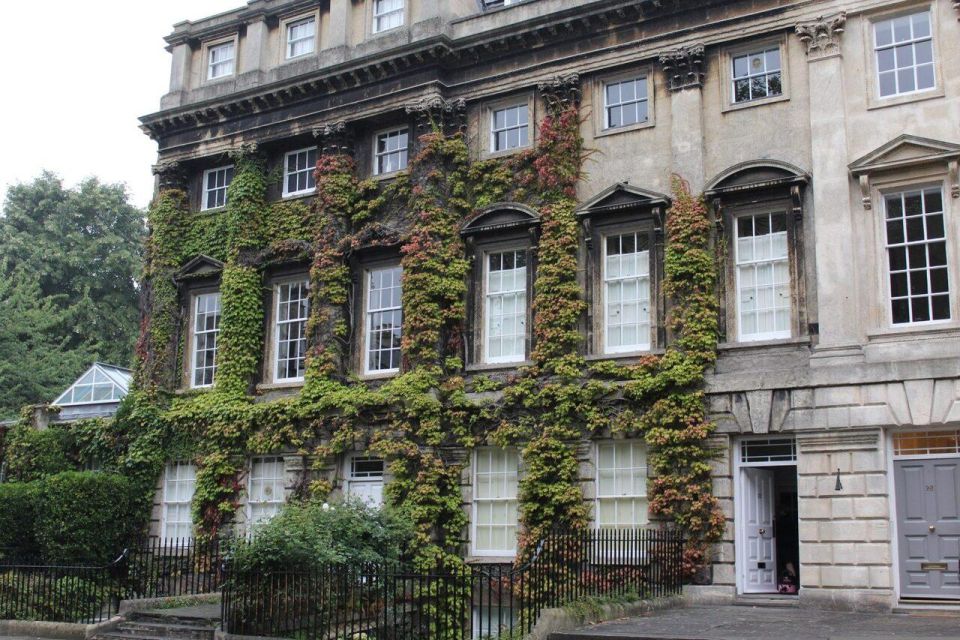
[{"x": 824, "y": 135}]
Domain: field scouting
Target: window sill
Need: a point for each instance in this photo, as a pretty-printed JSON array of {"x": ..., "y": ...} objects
[
  {"x": 895, "y": 101},
  {"x": 192, "y": 391},
  {"x": 627, "y": 355},
  {"x": 494, "y": 155},
  {"x": 384, "y": 177},
  {"x": 386, "y": 375},
  {"x": 498, "y": 366},
  {"x": 759, "y": 102},
  {"x": 298, "y": 196},
  {"x": 612, "y": 131},
  {"x": 473, "y": 559},
  {"x": 214, "y": 209},
  {"x": 931, "y": 330},
  {"x": 763, "y": 344},
  {"x": 220, "y": 79},
  {"x": 285, "y": 384}
]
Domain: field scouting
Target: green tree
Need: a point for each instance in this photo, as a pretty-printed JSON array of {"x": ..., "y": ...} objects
[{"x": 69, "y": 259}]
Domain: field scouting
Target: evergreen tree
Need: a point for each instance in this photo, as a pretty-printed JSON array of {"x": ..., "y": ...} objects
[{"x": 69, "y": 259}]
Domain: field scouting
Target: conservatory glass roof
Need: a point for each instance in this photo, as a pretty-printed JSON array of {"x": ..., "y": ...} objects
[{"x": 102, "y": 383}]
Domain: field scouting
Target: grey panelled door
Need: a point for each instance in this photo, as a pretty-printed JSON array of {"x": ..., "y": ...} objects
[{"x": 928, "y": 511}]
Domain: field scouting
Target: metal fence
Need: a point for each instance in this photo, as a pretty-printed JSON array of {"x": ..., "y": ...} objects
[
  {"x": 386, "y": 602},
  {"x": 147, "y": 569}
]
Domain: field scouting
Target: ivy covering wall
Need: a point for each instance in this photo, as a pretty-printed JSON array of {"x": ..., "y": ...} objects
[{"x": 423, "y": 421}]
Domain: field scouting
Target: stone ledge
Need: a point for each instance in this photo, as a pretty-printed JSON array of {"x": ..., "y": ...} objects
[
  {"x": 563, "y": 619},
  {"x": 55, "y": 630}
]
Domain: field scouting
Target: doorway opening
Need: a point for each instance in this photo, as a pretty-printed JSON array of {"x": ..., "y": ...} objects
[{"x": 767, "y": 532}]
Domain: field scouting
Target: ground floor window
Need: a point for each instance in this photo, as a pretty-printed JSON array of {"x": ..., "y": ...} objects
[
  {"x": 365, "y": 479},
  {"x": 179, "y": 482},
  {"x": 495, "y": 482},
  {"x": 621, "y": 484},
  {"x": 266, "y": 493}
]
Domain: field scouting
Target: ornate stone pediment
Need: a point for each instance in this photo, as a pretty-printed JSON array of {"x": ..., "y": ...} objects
[
  {"x": 904, "y": 152},
  {"x": 502, "y": 216},
  {"x": 622, "y": 196},
  {"x": 199, "y": 267}
]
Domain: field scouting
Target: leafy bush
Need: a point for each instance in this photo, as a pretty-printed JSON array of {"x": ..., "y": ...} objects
[
  {"x": 32, "y": 454},
  {"x": 68, "y": 598},
  {"x": 17, "y": 515},
  {"x": 86, "y": 517},
  {"x": 311, "y": 534}
]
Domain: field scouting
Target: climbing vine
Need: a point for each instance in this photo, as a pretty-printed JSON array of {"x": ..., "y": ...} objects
[{"x": 423, "y": 420}]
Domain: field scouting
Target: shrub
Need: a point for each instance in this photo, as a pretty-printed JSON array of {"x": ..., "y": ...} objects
[
  {"x": 32, "y": 454},
  {"x": 68, "y": 598},
  {"x": 86, "y": 517},
  {"x": 311, "y": 534},
  {"x": 17, "y": 515}
]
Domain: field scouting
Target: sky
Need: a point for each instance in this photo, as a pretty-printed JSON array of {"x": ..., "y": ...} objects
[{"x": 77, "y": 75}]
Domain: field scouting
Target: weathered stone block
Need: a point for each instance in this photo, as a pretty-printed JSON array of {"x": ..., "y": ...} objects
[
  {"x": 836, "y": 396},
  {"x": 880, "y": 578},
  {"x": 870, "y": 507},
  {"x": 809, "y": 531},
  {"x": 869, "y": 416},
  {"x": 876, "y": 484},
  {"x": 872, "y": 553},
  {"x": 841, "y": 508},
  {"x": 807, "y": 486},
  {"x": 867, "y": 461},
  {"x": 814, "y": 508},
  {"x": 843, "y": 531},
  {"x": 816, "y": 553}
]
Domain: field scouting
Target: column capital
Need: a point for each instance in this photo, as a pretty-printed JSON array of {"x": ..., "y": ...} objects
[
  {"x": 684, "y": 67},
  {"x": 450, "y": 116},
  {"x": 561, "y": 92},
  {"x": 334, "y": 138},
  {"x": 822, "y": 36},
  {"x": 170, "y": 174}
]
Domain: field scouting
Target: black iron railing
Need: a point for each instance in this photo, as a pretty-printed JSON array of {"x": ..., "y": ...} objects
[
  {"x": 148, "y": 569},
  {"x": 479, "y": 601}
]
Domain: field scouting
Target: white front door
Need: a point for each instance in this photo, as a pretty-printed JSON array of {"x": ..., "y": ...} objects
[
  {"x": 370, "y": 492},
  {"x": 758, "y": 566}
]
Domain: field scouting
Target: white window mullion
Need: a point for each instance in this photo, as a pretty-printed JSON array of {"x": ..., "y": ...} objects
[
  {"x": 763, "y": 277},
  {"x": 505, "y": 306},
  {"x": 387, "y": 14},
  {"x": 903, "y": 49},
  {"x": 625, "y": 102},
  {"x": 496, "y": 474},
  {"x": 384, "y": 320},
  {"x": 179, "y": 482},
  {"x": 215, "y": 185},
  {"x": 365, "y": 476},
  {"x": 621, "y": 484},
  {"x": 757, "y": 75},
  {"x": 391, "y": 151},
  {"x": 301, "y": 37},
  {"x": 509, "y": 128},
  {"x": 206, "y": 328},
  {"x": 291, "y": 313},
  {"x": 298, "y": 172},
  {"x": 266, "y": 492},
  {"x": 220, "y": 60},
  {"x": 626, "y": 275}
]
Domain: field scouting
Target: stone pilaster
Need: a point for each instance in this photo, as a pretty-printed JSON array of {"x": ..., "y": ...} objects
[
  {"x": 685, "y": 72},
  {"x": 837, "y": 300},
  {"x": 434, "y": 111},
  {"x": 334, "y": 138}
]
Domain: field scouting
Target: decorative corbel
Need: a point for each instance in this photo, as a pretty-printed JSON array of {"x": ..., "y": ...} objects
[
  {"x": 717, "y": 206},
  {"x": 170, "y": 174},
  {"x": 435, "y": 112},
  {"x": 953, "y": 168},
  {"x": 587, "y": 233},
  {"x": 797, "y": 198},
  {"x": 244, "y": 150},
  {"x": 334, "y": 138},
  {"x": 865, "y": 191},
  {"x": 822, "y": 36},
  {"x": 561, "y": 93}
]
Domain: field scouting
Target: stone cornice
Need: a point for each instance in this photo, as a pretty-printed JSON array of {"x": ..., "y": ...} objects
[{"x": 822, "y": 36}]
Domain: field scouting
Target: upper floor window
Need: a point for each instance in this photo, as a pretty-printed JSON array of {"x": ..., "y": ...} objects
[
  {"x": 384, "y": 320},
  {"x": 625, "y": 102},
  {"x": 266, "y": 492},
  {"x": 220, "y": 60},
  {"x": 757, "y": 74},
  {"x": 621, "y": 484},
  {"x": 206, "y": 328},
  {"x": 387, "y": 14},
  {"x": 391, "y": 152},
  {"x": 215, "y": 183},
  {"x": 496, "y": 475},
  {"x": 763, "y": 276},
  {"x": 301, "y": 37},
  {"x": 904, "y": 54},
  {"x": 365, "y": 479},
  {"x": 505, "y": 306},
  {"x": 510, "y": 128},
  {"x": 298, "y": 172},
  {"x": 626, "y": 284},
  {"x": 917, "y": 256},
  {"x": 179, "y": 481},
  {"x": 290, "y": 348}
]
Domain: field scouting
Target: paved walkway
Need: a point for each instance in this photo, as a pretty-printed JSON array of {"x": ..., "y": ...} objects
[{"x": 756, "y": 623}]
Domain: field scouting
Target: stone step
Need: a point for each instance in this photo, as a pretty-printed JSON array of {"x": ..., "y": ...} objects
[
  {"x": 767, "y": 601},
  {"x": 186, "y": 632}
]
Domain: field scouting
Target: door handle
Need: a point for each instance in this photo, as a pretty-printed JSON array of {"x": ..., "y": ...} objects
[
  {"x": 762, "y": 531},
  {"x": 932, "y": 528}
]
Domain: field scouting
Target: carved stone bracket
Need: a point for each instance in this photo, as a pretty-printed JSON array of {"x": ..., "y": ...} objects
[
  {"x": 822, "y": 36},
  {"x": 433, "y": 111},
  {"x": 245, "y": 150},
  {"x": 170, "y": 174},
  {"x": 561, "y": 93},
  {"x": 334, "y": 138},
  {"x": 684, "y": 67}
]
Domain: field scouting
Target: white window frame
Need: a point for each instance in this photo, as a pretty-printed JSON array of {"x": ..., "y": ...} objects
[
  {"x": 379, "y": 15},
  {"x": 369, "y": 312},
  {"x": 403, "y": 152},
  {"x": 278, "y": 323},
  {"x": 758, "y": 50},
  {"x": 211, "y": 64},
  {"x": 639, "y": 80},
  {"x": 942, "y": 453},
  {"x": 309, "y": 170},
  {"x": 606, "y": 281},
  {"x": 293, "y": 23},
  {"x": 278, "y": 482},
  {"x": 353, "y": 479},
  {"x": 487, "y": 358},
  {"x": 206, "y": 190},
  {"x": 525, "y": 105},
  {"x": 876, "y": 48},
  {"x": 167, "y": 502},
  {"x": 195, "y": 341},
  {"x": 637, "y": 469},
  {"x": 770, "y": 335},
  {"x": 884, "y": 257},
  {"x": 477, "y": 501}
]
